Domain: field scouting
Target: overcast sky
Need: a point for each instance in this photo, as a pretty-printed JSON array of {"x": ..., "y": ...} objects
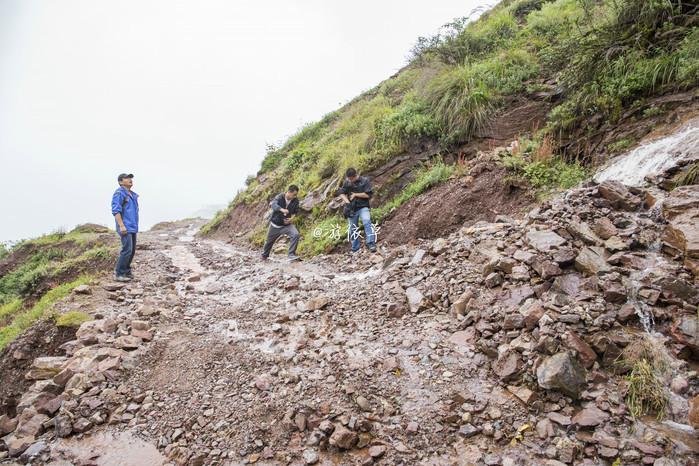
[{"x": 184, "y": 94}]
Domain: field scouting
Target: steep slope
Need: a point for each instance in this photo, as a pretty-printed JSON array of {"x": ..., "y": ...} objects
[{"x": 572, "y": 81}]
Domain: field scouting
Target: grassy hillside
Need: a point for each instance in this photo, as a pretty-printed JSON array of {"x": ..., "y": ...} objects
[
  {"x": 592, "y": 59},
  {"x": 35, "y": 274}
]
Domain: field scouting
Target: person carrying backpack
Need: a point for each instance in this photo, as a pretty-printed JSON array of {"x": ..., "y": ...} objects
[
  {"x": 125, "y": 212},
  {"x": 284, "y": 206}
]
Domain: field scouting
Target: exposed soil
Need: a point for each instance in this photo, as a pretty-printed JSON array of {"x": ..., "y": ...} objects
[
  {"x": 522, "y": 116},
  {"x": 454, "y": 204},
  {"x": 241, "y": 222},
  {"x": 42, "y": 339}
]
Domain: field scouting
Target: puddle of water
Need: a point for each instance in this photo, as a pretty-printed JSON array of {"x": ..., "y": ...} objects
[{"x": 108, "y": 449}]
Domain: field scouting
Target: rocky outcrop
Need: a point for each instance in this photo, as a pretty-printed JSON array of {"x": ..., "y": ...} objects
[{"x": 681, "y": 235}]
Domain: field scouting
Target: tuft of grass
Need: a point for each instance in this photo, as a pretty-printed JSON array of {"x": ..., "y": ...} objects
[
  {"x": 410, "y": 122},
  {"x": 646, "y": 392},
  {"x": 73, "y": 319},
  {"x": 647, "y": 364},
  {"x": 688, "y": 176},
  {"x": 8, "y": 310},
  {"x": 26, "y": 319},
  {"x": 620, "y": 145}
]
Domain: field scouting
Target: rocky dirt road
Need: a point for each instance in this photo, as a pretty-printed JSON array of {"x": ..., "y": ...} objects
[{"x": 507, "y": 343}]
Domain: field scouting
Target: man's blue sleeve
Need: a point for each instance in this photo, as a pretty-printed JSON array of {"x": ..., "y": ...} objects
[{"x": 117, "y": 200}]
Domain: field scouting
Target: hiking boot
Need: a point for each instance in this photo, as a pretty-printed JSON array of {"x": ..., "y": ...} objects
[
  {"x": 294, "y": 257},
  {"x": 372, "y": 248},
  {"x": 264, "y": 258},
  {"x": 122, "y": 278}
]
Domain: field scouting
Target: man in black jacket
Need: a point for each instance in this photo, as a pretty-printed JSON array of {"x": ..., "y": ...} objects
[
  {"x": 285, "y": 206},
  {"x": 355, "y": 194}
]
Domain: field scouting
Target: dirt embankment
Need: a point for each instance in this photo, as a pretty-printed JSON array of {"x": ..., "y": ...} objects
[
  {"x": 456, "y": 203},
  {"x": 522, "y": 116}
]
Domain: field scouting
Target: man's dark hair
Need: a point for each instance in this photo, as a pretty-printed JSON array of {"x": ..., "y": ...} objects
[
  {"x": 293, "y": 188},
  {"x": 350, "y": 173}
]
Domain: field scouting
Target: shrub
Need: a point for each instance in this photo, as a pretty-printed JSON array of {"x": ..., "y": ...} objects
[{"x": 408, "y": 123}]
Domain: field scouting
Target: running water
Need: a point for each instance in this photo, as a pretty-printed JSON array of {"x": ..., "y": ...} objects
[
  {"x": 653, "y": 157},
  {"x": 636, "y": 282}
]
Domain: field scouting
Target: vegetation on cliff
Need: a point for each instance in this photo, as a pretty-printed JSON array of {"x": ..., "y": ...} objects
[
  {"x": 593, "y": 59},
  {"x": 35, "y": 274}
]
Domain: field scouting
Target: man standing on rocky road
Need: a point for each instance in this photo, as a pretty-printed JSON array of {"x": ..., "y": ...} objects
[
  {"x": 125, "y": 211},
  {"x": 355, "y": 194},
  {"x": 284, "y": 206}
]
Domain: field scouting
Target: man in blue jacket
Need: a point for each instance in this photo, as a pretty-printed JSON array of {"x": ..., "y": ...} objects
[
  {"x": 284, "y": 206},
  {"x": 125, "y": 211}
]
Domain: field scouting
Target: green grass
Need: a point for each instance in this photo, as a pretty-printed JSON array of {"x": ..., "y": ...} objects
[
  {"x": 646, "y": 392},
  {"x": 548, "y": 173},
  {"x": 620, "y": 145},
  {"x": 72, "y": 319},
  {"x": 425, "y": 179},
  {"x": 23, "y": 280},
  {"x": 25, "y": 319},
  {"x": 8, "y": 310}
]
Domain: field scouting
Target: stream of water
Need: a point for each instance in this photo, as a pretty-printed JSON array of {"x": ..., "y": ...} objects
[{"x": 653, "y": 157}]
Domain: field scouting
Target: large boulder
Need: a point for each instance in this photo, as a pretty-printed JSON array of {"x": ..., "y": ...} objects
[
  {"x": 45, "y": 367},
  {"x": 544, "y": 240},
  {"x": 583, "y": 232},
  {"x": 564, "y": 373},
  {"x": 619, "y": 196},
  {"x": 592, "y": 260}
]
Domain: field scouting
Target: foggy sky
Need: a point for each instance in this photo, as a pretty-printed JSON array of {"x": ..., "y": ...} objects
[{"x": 184, "y": 94}]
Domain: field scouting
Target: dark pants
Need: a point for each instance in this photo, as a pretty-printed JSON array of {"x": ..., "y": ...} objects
[
  {"x": 128, "y": 249},
  {"x": 273, "y": 235}
]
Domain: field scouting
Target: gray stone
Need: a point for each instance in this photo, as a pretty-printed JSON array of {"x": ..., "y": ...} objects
[
  {"x": 592, "y": 260},
  {"x": 619, "y": 196},
  {"x": 544, "y": 240},
  {"x": 562, "y": 372},
  {"x": 590, "y": 416},
  {"x": 416, "y": 300}
]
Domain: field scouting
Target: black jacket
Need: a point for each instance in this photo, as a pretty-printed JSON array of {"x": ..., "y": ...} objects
[
  {"x": 361, "y": 186},
  {"x": 279, "y": 202}
]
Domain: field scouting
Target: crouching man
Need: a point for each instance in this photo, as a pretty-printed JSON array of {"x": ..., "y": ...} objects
[
  {"x": 356, "y": 193},
  {"x": 284, "y": 206}
]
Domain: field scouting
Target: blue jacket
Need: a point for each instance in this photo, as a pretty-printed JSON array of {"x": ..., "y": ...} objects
[{"x": 126, "y": 204}]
